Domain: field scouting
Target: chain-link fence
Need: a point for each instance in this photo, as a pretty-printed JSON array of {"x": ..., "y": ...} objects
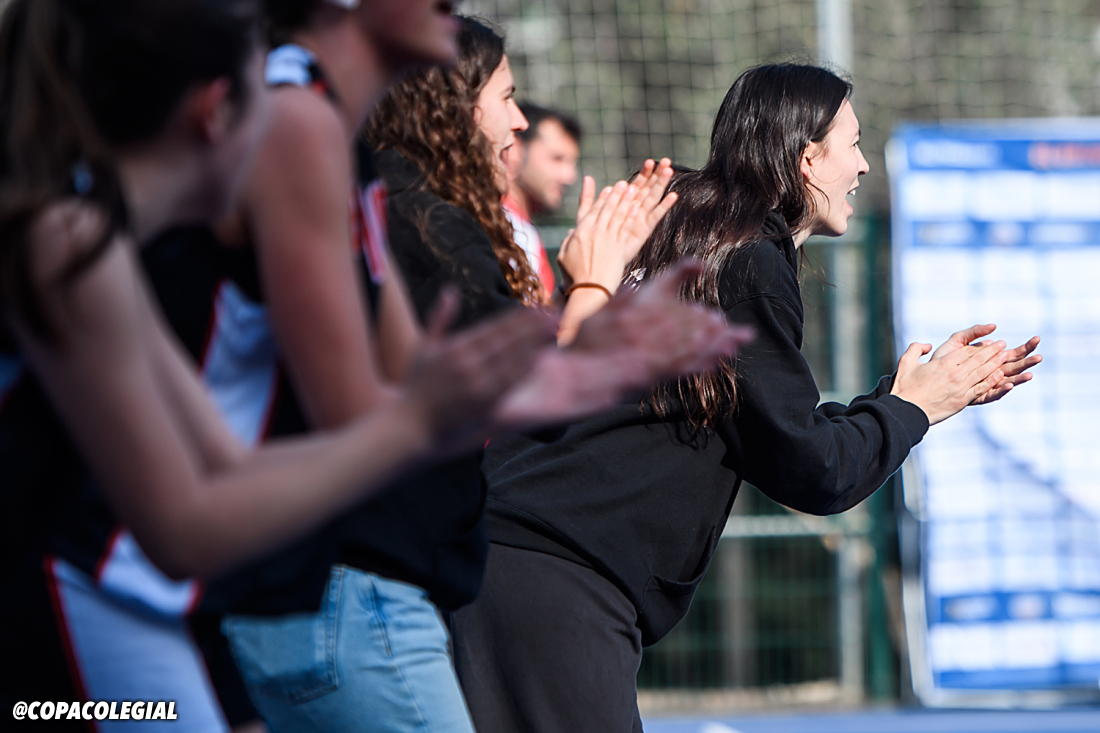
[{"x": 646, "y": 76}]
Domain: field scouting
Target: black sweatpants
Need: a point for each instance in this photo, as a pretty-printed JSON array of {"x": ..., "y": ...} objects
[{"x": 549, "y": 646}]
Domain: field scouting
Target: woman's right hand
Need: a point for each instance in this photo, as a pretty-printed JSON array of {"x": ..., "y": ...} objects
[
  {"x": 611, "y": 229},
  {"x": 952, "y": 379}
]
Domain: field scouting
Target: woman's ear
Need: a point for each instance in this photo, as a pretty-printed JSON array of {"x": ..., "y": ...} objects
[{"x": 806, "y": 161}]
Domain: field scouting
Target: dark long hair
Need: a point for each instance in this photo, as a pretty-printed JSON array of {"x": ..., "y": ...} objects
[
  {"x": 429, "y": 119},
  {"x": 81, "y": 80},
  {"x": 769, "y": 116}
]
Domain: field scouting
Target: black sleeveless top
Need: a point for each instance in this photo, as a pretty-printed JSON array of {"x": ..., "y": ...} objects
[
  {"x": 48, "y": 502},
  {"x": 427, "y": 530},
  {"x": 213, "y": 299}
]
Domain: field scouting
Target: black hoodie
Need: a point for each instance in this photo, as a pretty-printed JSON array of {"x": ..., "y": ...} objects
[{"x": 643, "y": 500}]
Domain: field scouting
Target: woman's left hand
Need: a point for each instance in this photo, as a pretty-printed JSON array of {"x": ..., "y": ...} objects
[{"x": 1015, "y": 368}]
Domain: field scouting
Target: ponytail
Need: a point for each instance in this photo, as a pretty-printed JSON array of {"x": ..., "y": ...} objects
[{"x": 81, "y": 80}]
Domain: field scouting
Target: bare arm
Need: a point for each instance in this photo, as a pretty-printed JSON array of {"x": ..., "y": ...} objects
[
  {"x": 196, "y": 500},
  {"x": 190, "y": 513},
  {"x": 399, "y": 336},
  {"x": 296, "y": 208}
]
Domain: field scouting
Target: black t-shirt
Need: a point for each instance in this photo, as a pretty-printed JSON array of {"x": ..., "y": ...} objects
[
  {"x": 644, "y": 500},
  {"x": 437, "y": 244},
  {"x": 430, "y": 530}
]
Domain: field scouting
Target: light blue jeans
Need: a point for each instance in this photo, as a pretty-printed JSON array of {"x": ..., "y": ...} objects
[{"x": 373, "y": 659}]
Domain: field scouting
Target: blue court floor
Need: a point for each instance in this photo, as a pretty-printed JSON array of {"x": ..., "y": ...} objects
[{"x": 893, "y": 721}]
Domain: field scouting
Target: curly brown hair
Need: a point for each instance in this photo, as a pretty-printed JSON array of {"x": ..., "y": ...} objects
[{"x": 429, "y": 118}]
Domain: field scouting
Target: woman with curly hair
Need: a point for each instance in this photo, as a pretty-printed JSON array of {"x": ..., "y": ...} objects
[{"x": 439, "y": 137}]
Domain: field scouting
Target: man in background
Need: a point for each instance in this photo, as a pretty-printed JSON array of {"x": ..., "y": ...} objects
[{"x": 541, "y": 163}]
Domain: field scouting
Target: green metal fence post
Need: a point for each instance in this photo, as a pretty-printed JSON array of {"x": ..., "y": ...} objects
[{"x": 881, "y": 659}]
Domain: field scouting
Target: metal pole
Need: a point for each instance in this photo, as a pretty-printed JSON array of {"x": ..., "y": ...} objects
[
  {"x": 850, "y": 332},
  {"x": 834, "y": 33},
  {"x": 850, "y": 617}
]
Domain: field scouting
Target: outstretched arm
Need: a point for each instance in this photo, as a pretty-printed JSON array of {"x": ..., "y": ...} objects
[
  {"x": 295, "y": 206},
  {"x": 196, "y": 500}
]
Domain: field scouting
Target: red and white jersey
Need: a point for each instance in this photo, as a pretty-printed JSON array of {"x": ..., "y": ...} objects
[{"x": 527, "y": 237}]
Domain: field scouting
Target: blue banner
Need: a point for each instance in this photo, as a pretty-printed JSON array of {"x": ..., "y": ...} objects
[{"x": 999, "y": 222}]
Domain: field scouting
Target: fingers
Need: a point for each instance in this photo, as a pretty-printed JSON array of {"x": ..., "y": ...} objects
[
  {"x": 515, "y": 332},
  {"x": 1024, "y": 349},
  {"x": 656, "y": 183},
  {"x": 642, "y": 179},
  {"x": 712, "y": 342},
  {"x": 625, "y": 209},
  {"x": 659, "y": 211},
  {"x": 673, "y": 339},
  {"x": 1002, "y": 388},
  {"x": 608, "y": 206},
  {"x": 460, "y": 379},
  {"x": 659, "y": 182},
  {"x": 592, "y": 213},
  {"x": 1016, "y": 380},
  {"x": 1012, "y": 362},
  {"x": 444, "y": 313},
  {"x": 988, "y": 384},
  {"x": 912, "y": 355},
  {"x": 506, "y": 347},
  {"x": 1013, "y": 368},
  {"x": 588, "y": 195},
  {"x": 986, "y": 362},
  {"x": 1019, "y": 356},
  {"x": 991, "y": 354},
  {"x": 972, "y": 334},
  {"x": 993, "y": 395}
]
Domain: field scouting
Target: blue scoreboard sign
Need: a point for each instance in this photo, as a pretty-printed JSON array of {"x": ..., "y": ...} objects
[{"x": 1000, "y": 223}]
